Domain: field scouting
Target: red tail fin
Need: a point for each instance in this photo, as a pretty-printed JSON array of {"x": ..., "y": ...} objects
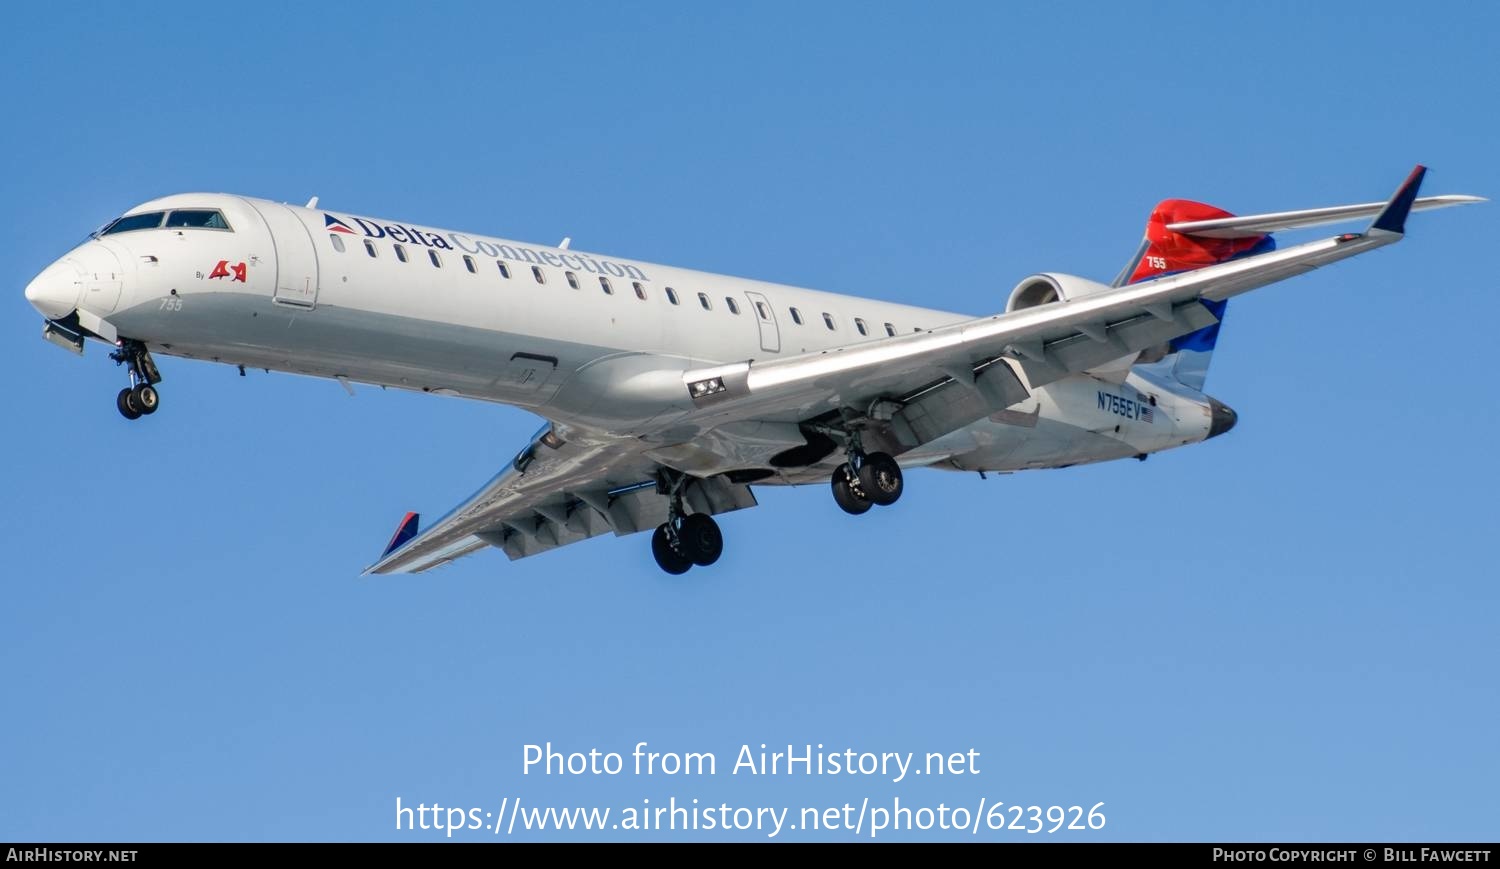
[{"x": 1164, "y": 251}]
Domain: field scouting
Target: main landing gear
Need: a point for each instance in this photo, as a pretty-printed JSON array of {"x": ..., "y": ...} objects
[
  {"x": 140, "y": 397},
  {"x": 866, "y": 480},
  {"x": 683, "y": 541}
]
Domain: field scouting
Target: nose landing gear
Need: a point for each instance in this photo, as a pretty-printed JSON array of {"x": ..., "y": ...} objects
[
  {"x": 140, "y": 397},
  {"x": 137, "y": 401}
]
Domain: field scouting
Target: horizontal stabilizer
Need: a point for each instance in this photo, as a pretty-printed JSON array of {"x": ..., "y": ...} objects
[{"x": 1251, "y": 225}]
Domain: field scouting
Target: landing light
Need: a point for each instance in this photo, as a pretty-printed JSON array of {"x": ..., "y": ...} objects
[{"x": 703, "y": 388}]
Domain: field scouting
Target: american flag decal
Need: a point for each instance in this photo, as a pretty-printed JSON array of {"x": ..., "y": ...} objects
[{"x": 1148, "y": 413}]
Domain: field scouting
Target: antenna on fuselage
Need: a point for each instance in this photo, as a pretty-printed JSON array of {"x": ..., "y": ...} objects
[
  {"x": 565, "y": 242},
  {"x": 312, "y": 203}
]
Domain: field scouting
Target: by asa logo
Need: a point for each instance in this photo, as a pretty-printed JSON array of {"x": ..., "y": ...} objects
[{"x": 234, "y": 272}]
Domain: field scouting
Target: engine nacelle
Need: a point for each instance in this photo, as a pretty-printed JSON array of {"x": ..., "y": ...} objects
[{"x": 1051, "y": 287}]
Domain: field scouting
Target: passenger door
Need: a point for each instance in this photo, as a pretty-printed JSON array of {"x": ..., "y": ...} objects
[{"x": 296, "y": 260}]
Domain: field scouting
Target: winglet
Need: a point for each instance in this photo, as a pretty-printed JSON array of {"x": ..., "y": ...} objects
[
  {"x": 404, "y": 533},
  {"x": 1392, "y": 218}
]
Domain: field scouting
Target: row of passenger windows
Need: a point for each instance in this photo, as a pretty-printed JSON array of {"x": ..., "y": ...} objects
[{"x": 540, "y": 277}]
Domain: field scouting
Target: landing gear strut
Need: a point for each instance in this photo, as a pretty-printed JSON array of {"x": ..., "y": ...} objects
[
  {"x": 866, "y": 480},
  {"x": 683, "y": 541},
  {"x": 140, "y": 397}
]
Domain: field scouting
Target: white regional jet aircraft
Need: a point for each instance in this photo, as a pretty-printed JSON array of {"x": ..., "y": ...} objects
[{"x": 668, "y": 392}]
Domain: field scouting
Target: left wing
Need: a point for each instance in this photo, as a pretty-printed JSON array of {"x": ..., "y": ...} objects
[
  {"x": 920, "y": 386},
  {"x": 554, "y": 493}
]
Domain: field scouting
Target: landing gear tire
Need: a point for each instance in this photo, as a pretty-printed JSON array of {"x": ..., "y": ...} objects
[
  {"x": 667, "y": 557},
  {"x": 140, "y": 397},
  {"x": 702, "y": 541},
  {"x": 880, "y": 479},
  {"x": 126, "y": 402},
  {"x": 844, "y": 491},
  {"x": 146, "y": 399}
]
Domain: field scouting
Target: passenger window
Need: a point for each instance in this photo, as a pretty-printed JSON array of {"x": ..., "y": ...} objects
[
  {"x": 796, "y": 316},
  {"x": 890, "y": 330},
  {"x": 828, "y": 321},
  {"x": 337, "y": 241},
  {"x": 149, "y": 220},
  {"x": 859, "y": 326},
  {"x": 729, "y": 302},
  {"x": 400, "y": 252},
  {"x": 504, "y": 269},
  {"x": 765, "y": 313},
  {"x": 536, "y": 272},
  {"x": 703, "y": 300},
  {"x": 201, "y": 218},
  {"x": 370, "y": 248},
  {"x": 604, "y": 285},
  {"x": 437, "y": 261},
  {"x": 671, "y": 295},
  {"x": 640, "y": 291},
  {"x": 469, "y": 264},
  {"x": 572, "y": 280}
]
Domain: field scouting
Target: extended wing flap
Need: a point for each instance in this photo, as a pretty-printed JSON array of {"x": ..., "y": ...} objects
[
  {"x": 534, "y": 531},
  {"x": 556, "y": 493}
]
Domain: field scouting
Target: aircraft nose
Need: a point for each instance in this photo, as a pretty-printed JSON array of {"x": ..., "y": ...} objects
[
  {"x": 1221, "y": 418},
  {"x": 55, "y": 291}
]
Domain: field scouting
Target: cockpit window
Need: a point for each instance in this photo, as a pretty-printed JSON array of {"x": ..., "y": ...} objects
[
  {"x": 197, "y": 218},
  {"x": 130, "y": 223}
]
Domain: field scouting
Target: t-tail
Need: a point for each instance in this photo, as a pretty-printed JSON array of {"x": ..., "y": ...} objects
[
  {"x": 1166, "y": 250},
  {"x": 1183, "y": 235}
]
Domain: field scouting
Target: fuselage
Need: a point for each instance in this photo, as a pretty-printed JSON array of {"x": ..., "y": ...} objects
[{"x": 586, "y": 340}]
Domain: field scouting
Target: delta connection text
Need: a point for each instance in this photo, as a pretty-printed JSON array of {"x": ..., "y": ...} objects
[
  {"x": 749, "y": 760},
  {"x": 494, "y": 249}
]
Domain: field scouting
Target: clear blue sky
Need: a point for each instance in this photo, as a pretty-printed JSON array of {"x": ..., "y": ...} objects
[{"x": 1287, "y": 633}]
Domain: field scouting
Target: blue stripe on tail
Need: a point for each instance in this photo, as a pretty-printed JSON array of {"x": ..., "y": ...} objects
[{"x": 1188, "y": 356}]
